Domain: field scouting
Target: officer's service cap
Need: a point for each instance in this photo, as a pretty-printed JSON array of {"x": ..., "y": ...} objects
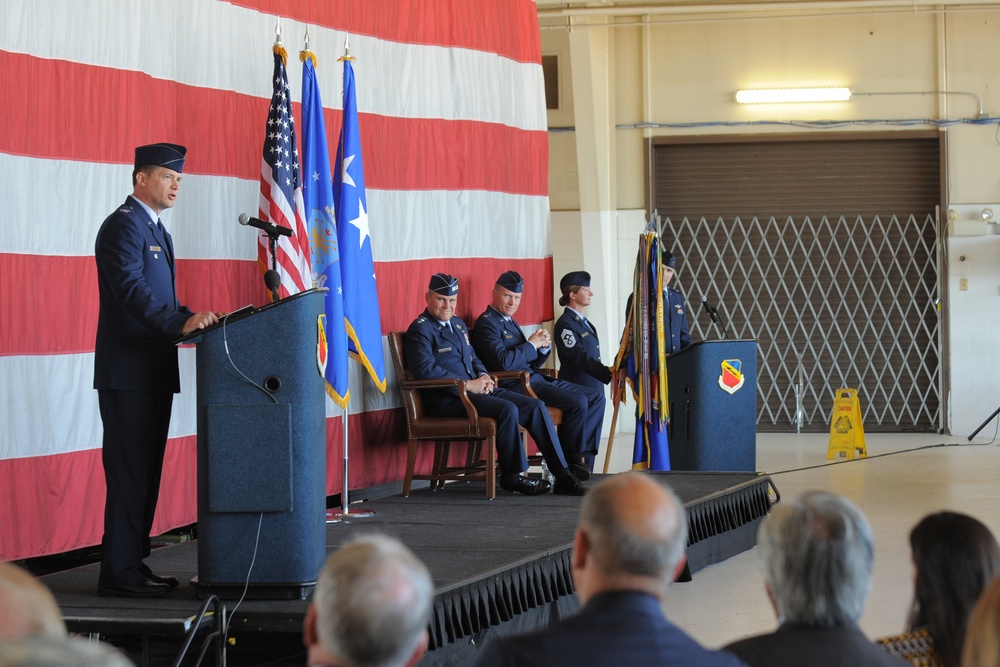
[
  {"x": 581, "y": 278},
  {"x": 669, "y": 259},
  {"x": 443, "y": 284},
  {"x": 170, "y": 156},
  {"x": 512, "y": 281}
]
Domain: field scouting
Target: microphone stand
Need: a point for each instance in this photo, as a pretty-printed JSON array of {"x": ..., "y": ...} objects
[
  {"x": 714, "y": 314},
  {"x": 983, "y": 425},
  {"x": 272, "y": 242}
]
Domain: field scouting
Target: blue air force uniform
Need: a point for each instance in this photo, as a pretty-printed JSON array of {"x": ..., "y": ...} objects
[
  {"x": 435, "y": 351},
  {"x": 675, "y": 324},
  {"x": 580, "y": 352},
  {"x": 135, "y": 371},
  {"x": 503, "y": 347}
]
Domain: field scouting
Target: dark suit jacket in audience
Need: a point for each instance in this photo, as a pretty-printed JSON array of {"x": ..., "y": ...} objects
[
  {"x": 618, "y": 628},
  {"x": 799, "y": 646}
]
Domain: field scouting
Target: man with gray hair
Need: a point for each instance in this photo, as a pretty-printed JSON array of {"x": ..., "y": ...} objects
[
  {"x": 371, "y": 607},
  {"x": 32, "y": 630},
  {"x": 27, "y": 607},
  {"x": 817, "y": 553},
  {"x": 629, "y": 547}
]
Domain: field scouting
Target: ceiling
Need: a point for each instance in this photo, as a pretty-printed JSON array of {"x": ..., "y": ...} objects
[{"x": 554, "y": 9}]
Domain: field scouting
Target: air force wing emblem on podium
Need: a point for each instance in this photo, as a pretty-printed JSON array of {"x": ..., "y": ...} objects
[{"x": 731, "y": 379}]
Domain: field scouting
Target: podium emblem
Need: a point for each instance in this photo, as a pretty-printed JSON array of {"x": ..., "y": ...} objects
[
  {"x": 731, "y": 379},
  {"x": 322, "y": 350}
]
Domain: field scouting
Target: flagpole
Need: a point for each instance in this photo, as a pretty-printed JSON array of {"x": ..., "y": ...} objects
[
  {"x": 619, "y": 390},
  {"x": 346, "y": 512}
]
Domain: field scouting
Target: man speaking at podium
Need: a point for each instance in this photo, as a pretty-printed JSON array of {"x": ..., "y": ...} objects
[{"x": 135, "y": 365}]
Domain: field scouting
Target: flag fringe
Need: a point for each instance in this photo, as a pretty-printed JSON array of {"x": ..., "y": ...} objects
[
  {"x": 279, "y": 50},
  {"x": 342, "y": 401},
  {"x": 362, "y": 358}
]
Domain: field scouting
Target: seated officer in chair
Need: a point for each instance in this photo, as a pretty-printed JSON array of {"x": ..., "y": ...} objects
[
  {"x": 438, "y": 346},
  {"x": 502, "y": 346}
]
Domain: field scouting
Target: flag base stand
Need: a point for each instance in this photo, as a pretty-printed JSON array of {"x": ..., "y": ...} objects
[{"x": 341, "y": 516}]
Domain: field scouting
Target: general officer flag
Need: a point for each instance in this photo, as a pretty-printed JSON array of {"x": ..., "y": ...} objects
[
  {"x": 361, "y": 311},
  {"x": 317, "y": 196}
]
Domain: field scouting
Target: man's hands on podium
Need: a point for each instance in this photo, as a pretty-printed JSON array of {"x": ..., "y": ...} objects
[{"x": 206, "y": 318}]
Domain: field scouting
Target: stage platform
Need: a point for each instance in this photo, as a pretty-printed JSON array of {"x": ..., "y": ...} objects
[{"x": 498, "y": 566}]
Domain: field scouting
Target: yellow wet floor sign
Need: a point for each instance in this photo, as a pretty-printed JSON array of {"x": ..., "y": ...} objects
[{"x": 847, "y": 433}]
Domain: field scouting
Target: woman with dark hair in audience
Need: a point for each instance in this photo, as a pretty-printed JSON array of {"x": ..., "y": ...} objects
[
  {"x": 982, "y": 639},
  {"x": 954, "y": 558}
]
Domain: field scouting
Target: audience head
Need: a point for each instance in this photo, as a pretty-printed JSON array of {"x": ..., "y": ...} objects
[
  {"x": 27, "y": 608},
  {"x": 631, "y": 536},
  {"x": 64, "y": 651},
  {"x": 372, "y": 605},
  {"x": 954, "y": 557},
  {"x": 982, "y": 639},
  {"x": 817, "y": 552}
]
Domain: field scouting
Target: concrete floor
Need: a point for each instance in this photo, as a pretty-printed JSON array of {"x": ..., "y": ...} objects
[{"x": 905, "y": 477}]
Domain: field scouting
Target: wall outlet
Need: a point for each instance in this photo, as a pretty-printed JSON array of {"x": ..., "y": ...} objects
[{"x": 963, "y": 285}]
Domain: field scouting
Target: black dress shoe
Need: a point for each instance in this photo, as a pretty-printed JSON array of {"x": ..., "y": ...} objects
[
  {"x": 568, "y": 485},
  {"x": 580, "y": 471},
  {"x": 526, "y": 485},
  {"x": 169, "y": 582},
  {"x": 146, "y": 589}
]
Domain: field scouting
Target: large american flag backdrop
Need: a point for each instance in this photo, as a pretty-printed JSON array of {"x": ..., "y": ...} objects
[{"x": 453, "y": 128}]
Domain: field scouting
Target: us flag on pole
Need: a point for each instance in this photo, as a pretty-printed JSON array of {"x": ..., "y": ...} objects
[{"x": 281, "y": 190}]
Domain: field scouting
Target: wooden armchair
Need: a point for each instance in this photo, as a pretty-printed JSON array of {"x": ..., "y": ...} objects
[
  {"x": 479, "y": 432},
  {"x": 555, "y": 414}
]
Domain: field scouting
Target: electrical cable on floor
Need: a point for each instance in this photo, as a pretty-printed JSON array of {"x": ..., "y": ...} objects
[
  {"x": 901, "y": 451},
  {"x": 246, "y": 586}
]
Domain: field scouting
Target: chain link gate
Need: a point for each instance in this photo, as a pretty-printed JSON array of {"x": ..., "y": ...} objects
[{"x": 836, "y": 302}]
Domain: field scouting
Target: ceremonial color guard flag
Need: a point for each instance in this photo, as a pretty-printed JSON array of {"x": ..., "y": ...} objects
[
  {"x": 280, "y": 190},
  {"x": 642, "y": 353},
  {"x": 317, "y": 196},
  {"x": 361, "y": 311}
]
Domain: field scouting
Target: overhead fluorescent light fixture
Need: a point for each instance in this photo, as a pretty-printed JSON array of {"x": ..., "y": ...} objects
[{"x": 793, "y": 95}]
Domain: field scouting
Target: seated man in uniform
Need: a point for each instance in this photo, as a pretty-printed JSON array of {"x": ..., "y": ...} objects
[
  {"x": 438, "y": 346},
  {"x": 502, "y": 346}
]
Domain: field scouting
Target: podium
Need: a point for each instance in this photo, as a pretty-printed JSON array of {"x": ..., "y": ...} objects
[
  {"x": 712, "y": 388},
  {"x": 262, "y": 451}
]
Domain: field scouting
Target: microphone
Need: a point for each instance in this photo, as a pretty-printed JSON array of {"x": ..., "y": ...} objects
[
  {"x": 712, "y": 312},
  {"x": 272, "y": 279},
  {"x": 271, "y": 228}
]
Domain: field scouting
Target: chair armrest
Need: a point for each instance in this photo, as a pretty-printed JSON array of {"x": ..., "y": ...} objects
[
  {"x": 551, "y": 372},
  {"x": 445, "y": 383},
  {"x": 436, "y": 383},
  {"x": 523, "y": 376}
]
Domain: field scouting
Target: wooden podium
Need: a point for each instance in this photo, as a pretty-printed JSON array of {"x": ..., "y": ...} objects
[{"x": 713, "y": 406}]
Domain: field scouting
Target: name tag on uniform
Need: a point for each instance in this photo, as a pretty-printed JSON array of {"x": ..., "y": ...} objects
[
  {"x": 584, "y": 334},
  {"x": 442, "y": 350},
  {"x": 507, "y": 334},
  {"x": 155, "y": 248}
]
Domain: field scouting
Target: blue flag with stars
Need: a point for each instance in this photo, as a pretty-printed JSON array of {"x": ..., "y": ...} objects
[
  {"x": 361, "y": 311},
  {"x": 317, "y": 196}
]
